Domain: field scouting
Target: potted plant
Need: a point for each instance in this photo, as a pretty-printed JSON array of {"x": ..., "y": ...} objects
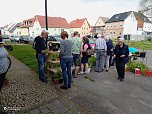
[{"x": 57, "y": 78}]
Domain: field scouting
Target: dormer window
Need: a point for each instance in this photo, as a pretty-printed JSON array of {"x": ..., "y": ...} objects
[{"x": 117, "y": 17}]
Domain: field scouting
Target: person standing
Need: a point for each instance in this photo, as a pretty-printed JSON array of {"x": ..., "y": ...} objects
[
  {"x": 121, "y": 57},
  {"x": 85, "y": 56},
  {"x": 4, "y": 64},
  {"x": 66, "y": 59},
  {"x": 41, "y": 49},
  {"x": 101, "y": 49},
  {"x": 109, "y": 44},
  {"x": 76, "y": 52}
]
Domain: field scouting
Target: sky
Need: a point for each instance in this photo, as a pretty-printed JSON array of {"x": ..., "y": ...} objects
[{"x": 19, "y": 10}]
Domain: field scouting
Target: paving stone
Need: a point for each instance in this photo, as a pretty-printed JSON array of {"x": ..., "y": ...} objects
[
  {"x": 35, "y": 111},
  {"x": 69, "y": 112},
  {"x": 45, "y": 111},
  {"x": 51, "y": 106}
]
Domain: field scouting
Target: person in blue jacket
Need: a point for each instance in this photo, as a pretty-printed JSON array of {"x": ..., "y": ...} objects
[{"x": 121, "y": 57}]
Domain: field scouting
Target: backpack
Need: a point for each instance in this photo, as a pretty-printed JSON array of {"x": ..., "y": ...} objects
[{"x": 90, "y": 50}]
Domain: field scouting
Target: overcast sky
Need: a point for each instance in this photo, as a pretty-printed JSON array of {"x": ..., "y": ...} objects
[{"x": 18, "y": 10}]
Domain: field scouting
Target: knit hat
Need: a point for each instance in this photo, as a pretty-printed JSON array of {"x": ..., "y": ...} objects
[{"x": 121, "y": 39}]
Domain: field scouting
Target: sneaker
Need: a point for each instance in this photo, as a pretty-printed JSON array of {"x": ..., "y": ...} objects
[
  {"x": 80, "y": 73},
  {"x": 107, "y": 70},
  {"x": 63, "y": 87}
]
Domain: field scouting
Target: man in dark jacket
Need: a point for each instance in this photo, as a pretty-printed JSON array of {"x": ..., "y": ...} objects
[
  {"x": 109, "y": 44},
  {"x": 121, "y": 58},
  {"x": 40, "y": 46}
]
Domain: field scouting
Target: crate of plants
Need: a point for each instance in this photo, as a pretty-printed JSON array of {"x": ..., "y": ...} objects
[
  {"x": 57, "y": 78},
  {"x": 147, "y": 72}
]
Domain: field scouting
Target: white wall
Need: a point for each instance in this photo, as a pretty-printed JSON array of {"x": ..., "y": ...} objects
[
  {"x": 130, "y": 25},
  {"x": 35, "y": 30},
  {"x": 57, "y": 31},
  {"x": 147, "y": 27}
]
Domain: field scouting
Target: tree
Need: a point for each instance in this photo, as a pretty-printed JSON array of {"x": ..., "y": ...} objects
[{"x": 146, "y": 7}]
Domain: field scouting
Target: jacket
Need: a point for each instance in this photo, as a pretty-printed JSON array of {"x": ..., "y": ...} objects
[{"x": 121, "y": 51}]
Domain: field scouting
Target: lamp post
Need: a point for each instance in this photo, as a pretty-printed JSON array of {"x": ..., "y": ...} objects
[{"x": 46, "y": 19}]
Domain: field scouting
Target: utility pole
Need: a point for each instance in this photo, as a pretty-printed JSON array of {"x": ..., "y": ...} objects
[{"x": 46, "y": 17}]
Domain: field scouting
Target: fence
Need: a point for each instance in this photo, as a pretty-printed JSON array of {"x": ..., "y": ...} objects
[{"x": 139, "y": 37}]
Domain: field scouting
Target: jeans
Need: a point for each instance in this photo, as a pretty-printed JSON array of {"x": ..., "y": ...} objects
[
  {"x": 100, "y": 54},
  {"x": 66, "y": 64},
  {"x": 120, "y": 66},
  {"x": 41, "y": 64}
]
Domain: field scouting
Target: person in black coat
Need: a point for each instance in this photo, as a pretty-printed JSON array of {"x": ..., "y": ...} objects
[{"x": 121, "y": 57}]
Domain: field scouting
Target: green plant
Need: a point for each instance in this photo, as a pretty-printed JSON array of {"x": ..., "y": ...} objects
[
  {"x": 92, "y": 61},
  {"x": 133, "y": 64},
  {"x": 58, "y": 74}
]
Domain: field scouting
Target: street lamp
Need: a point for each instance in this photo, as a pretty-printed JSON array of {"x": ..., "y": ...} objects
[{"x": 46, "y": 19}]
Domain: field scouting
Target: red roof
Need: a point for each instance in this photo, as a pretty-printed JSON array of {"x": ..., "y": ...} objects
[
  {"x": 53, "y": 22},
  {"x": 77, "y": 23}
]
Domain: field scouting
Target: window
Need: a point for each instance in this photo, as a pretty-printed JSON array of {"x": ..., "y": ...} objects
[
  {"x": 110, "y": 32},
  {"x": 62, "y": 30},
  {"x": 114, "y": 33},
  {"x": 120, "y": 25},
  {"x": 111, "y": 26}
]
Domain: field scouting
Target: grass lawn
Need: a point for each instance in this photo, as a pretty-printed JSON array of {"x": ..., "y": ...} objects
[
  {"x": 143, "y": 45},
  {"x": 26, "y": 54}
]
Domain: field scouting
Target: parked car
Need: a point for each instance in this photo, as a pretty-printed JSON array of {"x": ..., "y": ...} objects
[
  {"x": 14, "y": 38},
  {"x": 5, "y": 36},
  {"x": 54, "y": 38},
  {"x": 24, "y": 39}
]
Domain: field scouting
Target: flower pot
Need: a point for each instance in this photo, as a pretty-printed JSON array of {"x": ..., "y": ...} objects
[
  {"x": 56, "y": 81},
  {"x": 147, "y": 72},
  {"x": 137, "y": 71}
]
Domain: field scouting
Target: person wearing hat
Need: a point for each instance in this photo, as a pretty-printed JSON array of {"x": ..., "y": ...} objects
[{"x": 121, "y": 57}]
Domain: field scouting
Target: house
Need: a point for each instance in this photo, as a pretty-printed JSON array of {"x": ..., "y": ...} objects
[
  {"x": 128, "y": 24},
  {"x": 80, "y": 25},
  {"x": 99, "y": 26},
  {"x": 15, "y": 30},
  {"x": 7, "y": 28},
  {"x": 34, "y": 26}
]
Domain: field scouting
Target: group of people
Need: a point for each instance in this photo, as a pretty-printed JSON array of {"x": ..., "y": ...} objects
[{"x": 74, "y": 54}]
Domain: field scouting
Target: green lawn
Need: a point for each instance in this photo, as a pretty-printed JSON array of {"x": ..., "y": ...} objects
[
  {"x": 26, "y": 54},
  {"x": 144, "y": 45}
]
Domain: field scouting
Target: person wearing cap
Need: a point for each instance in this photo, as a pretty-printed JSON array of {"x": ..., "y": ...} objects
[
  {"x": 100, "y": 49},
  {"x": 40, "y": 45},
  {"x": 121, "y": 57}
]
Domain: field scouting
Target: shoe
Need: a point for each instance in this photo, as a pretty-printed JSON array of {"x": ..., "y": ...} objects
[
  {"x": 121, "y": 79},
  {"x": 75, "y": 76},
  {"x": 80, "y": 73},
  {"x": 96, "y": 71},
  {"x": 43, "y": 80},
  {"x": 118, "y": 78},
  {"x": 107, "y": 70},
  {"x": 69, "y": 86},
  {"x": 63, "y": 87}
]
